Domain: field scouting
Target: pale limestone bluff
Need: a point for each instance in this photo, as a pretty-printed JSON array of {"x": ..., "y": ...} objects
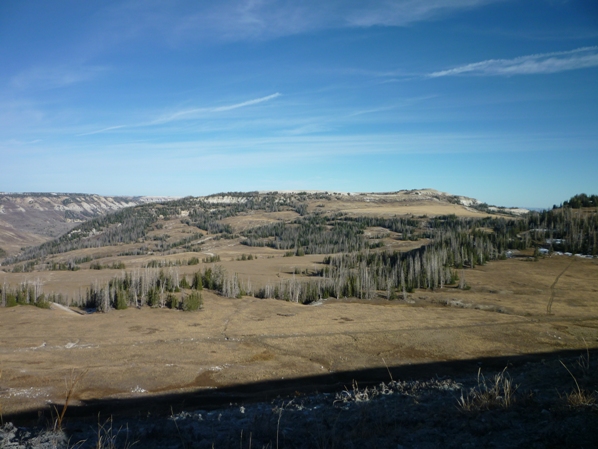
[{"x": 31, "y": 218}]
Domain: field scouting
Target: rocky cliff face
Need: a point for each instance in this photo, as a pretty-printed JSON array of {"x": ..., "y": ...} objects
[{"x": 31, "y": 218}]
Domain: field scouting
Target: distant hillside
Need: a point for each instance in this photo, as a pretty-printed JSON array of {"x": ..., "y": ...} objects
[
  {"x": 92, "y": 221},
  {"x": 28, "y": 219},
  {"x": 372, "y": 241}
]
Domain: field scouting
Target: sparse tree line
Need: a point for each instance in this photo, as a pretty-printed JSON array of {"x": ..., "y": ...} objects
[
  {"x": 178, "y": 263},
  {"x": 172, "y": 263},
  {"x": 406, "y": 226},
  {"x": 147, "y": 287},
  {"x": 63, "y": 266},
  {"x": 113, "y": 266},
  {"x": 27, "y": 267},
  {"x": 355, "y": 270},
  {"x": 366, "y": 275},
  {"x": 577, "y": 231},
  {"x": 369, "y": 274},
  {"x": 565, "y": 229},
  {"x": 185, "y": 242},
  {"x": 310, "y": 235},
  {"x": 457, "y": 244},
  {"x": 161, "y": 288},
  {"x": 28, "y": 294}
]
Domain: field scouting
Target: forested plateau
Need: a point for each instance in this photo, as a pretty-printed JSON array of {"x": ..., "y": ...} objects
[{"x": 369, "y": 246}]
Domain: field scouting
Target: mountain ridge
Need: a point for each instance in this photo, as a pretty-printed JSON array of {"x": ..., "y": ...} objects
[{"x": 33, "y": 218}]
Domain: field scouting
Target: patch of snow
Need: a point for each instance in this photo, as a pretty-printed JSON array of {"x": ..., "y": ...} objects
[
  {"x": 71, "y": 344},
  {"x": 30, "y": 392}
]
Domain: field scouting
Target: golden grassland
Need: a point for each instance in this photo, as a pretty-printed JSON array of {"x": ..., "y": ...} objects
[
  {"x": 231, "y": 341},
  {"x": 513, "y": 307}
]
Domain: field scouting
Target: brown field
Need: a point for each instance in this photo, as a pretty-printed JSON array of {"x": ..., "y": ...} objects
[
  {"x": 268, "y": 267},
  {"x": 139, "y": 353},
  {"x": 512, "y": 309},
  {"x": 404, "y": 208}
]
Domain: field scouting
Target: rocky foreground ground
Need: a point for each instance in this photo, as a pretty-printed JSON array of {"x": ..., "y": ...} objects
[{"x": 550, "y": 403}]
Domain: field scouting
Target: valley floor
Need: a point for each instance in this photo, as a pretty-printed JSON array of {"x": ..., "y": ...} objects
[{"x": 148, "y": 352}]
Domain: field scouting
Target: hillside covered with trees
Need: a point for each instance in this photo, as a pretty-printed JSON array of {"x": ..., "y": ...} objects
[{"x": 356, "y": 264}]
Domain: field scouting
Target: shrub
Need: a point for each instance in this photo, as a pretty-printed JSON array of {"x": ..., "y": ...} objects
[
  {"x": 193, "y": 301},
  {"x": 11, "y": 300},
  {"x": 172, "y": 301},
  {"x": 184, "y": 283},
  {"x": 120, "y": 302},
  {"x": 42, "y": 303},
  {"x": 153, "y": 297},
  {"x": 197, "y": 283}
]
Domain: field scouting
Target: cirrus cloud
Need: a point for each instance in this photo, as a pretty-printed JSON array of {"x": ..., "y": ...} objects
[
  {"x": 187, "y": 114},
  {"x": 235, "y": 20},
  {"x": 554, "y": 62}
]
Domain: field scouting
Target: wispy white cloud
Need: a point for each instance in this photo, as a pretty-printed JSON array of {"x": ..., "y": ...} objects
[
  {"x": 233, "y": 20},
  {"x": 48, "y": 77},
  {"x": 20, "y": 142},
  {"x": 211, "y": 154},
  {"x": 405, "y": 12},
  {"x": 110, "y": 128},
  {"x": 246, "y": 103},
  {"x": 526, "y": 65},
  {"x": 186, "y": 114}
]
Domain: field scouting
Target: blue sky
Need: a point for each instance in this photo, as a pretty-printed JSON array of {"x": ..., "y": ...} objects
[{"x": 493, "y": 99}]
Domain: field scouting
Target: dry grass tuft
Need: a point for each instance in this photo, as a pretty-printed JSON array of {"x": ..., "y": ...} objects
[
  {"x": 70, "y": 386},
  {"x": 584, "y": 362},
  {"x": 498, "y": 392},
  {"x": 580, "y": 397},
  {"x": 107, "y": 438},
  {"x": 356, "y": 394}
]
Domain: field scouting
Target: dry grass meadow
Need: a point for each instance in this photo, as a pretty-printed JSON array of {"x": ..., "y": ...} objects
[
  {"x": 232, "y": 341},
  {"x": 145, "y": 352}
]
